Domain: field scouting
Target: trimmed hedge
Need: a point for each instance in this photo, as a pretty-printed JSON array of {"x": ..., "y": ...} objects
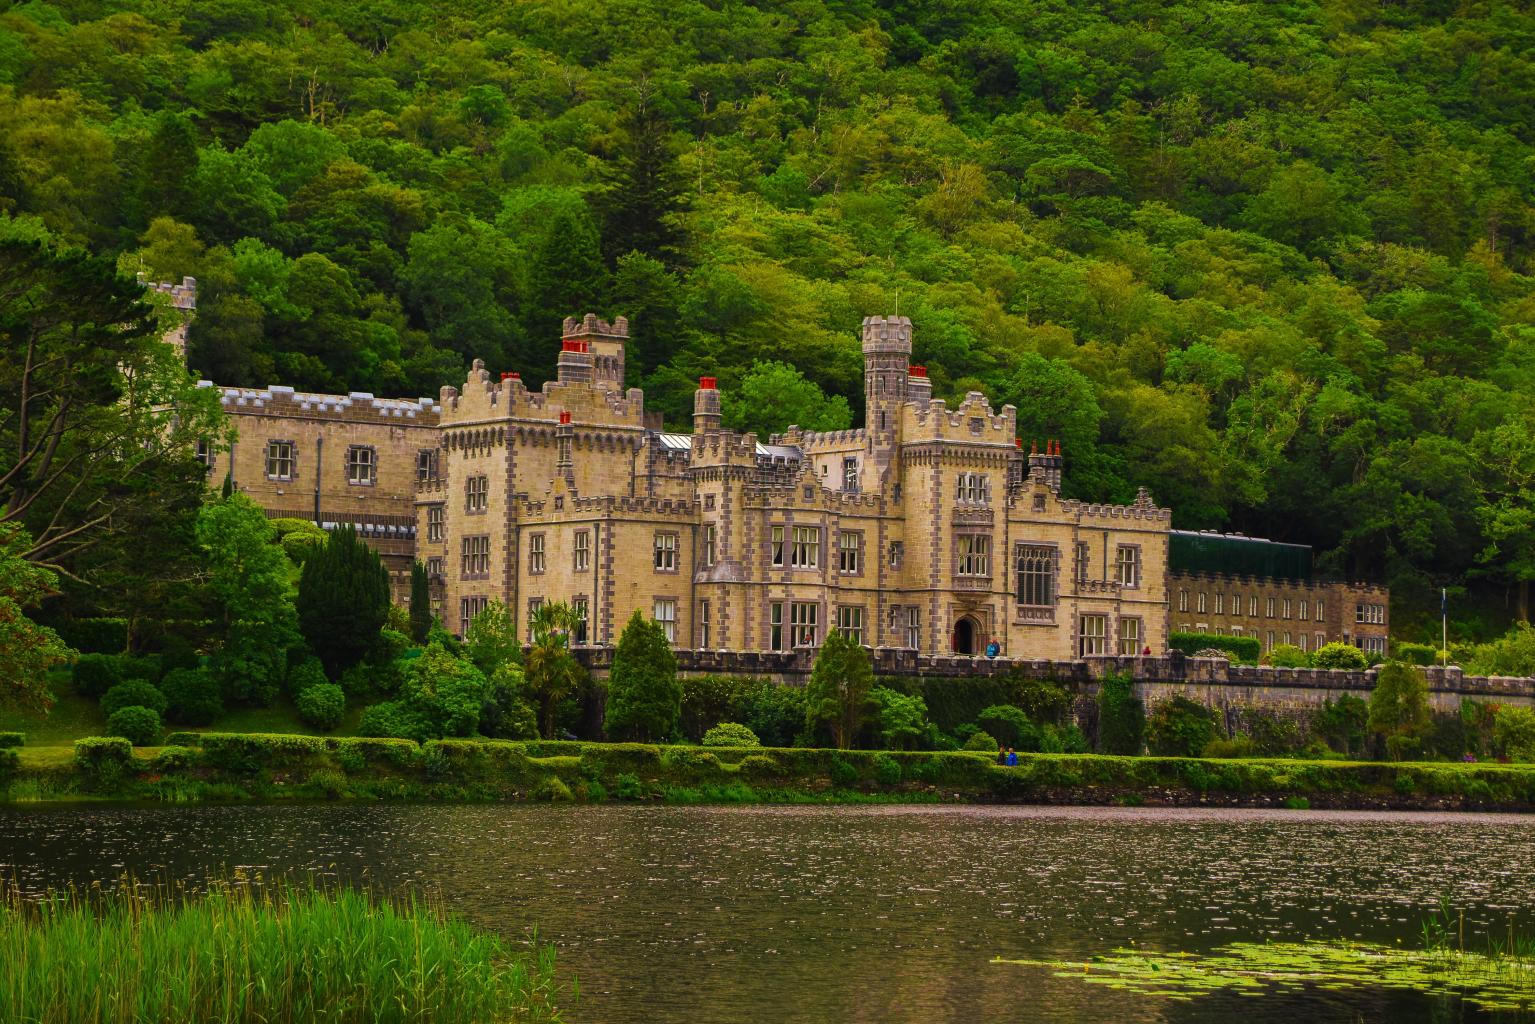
[
  {"x": 12, "y": 739},
  {"x": 105, "y": 763},
  {"x": 135, "y": 723},
  {"x": 133, "y": 693},
  {"x": 1245, "y": 649},
  {"x": 95, "y": 636}
]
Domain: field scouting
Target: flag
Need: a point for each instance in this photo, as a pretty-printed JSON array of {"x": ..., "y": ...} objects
[{"x": 1444, "y": 602}]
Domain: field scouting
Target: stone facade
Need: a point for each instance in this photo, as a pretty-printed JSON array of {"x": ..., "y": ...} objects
[
  {"x": 928, "y": 529},
  {"x": 1306, "y": 613},
  {"x": 333, "y": 459}
]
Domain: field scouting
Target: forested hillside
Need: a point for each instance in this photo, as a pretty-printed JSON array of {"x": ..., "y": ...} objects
[{"x": 1273, "y": 260}]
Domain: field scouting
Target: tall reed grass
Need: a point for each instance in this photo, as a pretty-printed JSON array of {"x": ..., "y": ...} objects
[{"x": 247, "y": 952}]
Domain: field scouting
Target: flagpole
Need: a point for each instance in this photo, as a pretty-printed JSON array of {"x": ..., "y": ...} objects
[{"x": 1444, "y": 628}]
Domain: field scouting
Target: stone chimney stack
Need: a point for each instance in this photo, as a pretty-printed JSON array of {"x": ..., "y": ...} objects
[
  {"x": 918, "y": 388},
  {"x": 605, "y": 346},
  {"x": 565, "y": 436},
  {"x": 886, "y": 356},
  {"x": 706, "y": 406},
  {"x": 575, "y": 364}
]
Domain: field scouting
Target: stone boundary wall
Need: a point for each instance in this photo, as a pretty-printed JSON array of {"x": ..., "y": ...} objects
[{"x": 1211, "y": 681}]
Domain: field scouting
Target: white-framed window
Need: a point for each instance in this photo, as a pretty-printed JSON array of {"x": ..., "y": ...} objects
[
  {"x": 434, "y": 566},
  {"x": 436, "y": 524},
  {"x": 205, "y": 454},
  {"x": 775, "y": 626},
  {"x": 578, "y": 609},
  {"x": 973, "y": 489},
  {"x": 279, "y": 460},
  {"x": 1373, "y": 644},
  {"x": 804, "y": 618},
  {"x": 703, "y": 624},
  {"x": 973, "y": 557},
  {"x": 476, "y": 494},
  {"x": 361, "y": 465},
  {"x": 1287, "y": 639},
  {"x": 536, "y": 554},
  {"x": 1079, "y": 567},
  {"x": 534, "y": 604},
  {"x": 1319, "y": 610},
  {"x": 1183, "y": 600},
  {"x": 474, "y": 556},
  {"x": 1372, "y": 614},
  {"x": 1036, "y": 576},
  {"x": 1286, "y": 607},
  {"x": 776, "y": 546},
  {"x": 850, "y": 552},
  {"x": 850, "y": 622},
  {"x": 1319, "y": 640},
  {"x": 1201, "y": 601},
  {"x": 850, "y": 474},
  {"x": 1093, "y": 637},
  {"x": 913, "y": 628},
  {"x": 709, "y": 545},
  {"x": 1269, "y": 608},
  {"x": 1268, "y": 640},
  {"x": 1127, "y": 565},
  {"x": 468, "y": 608},
  {"x": 582, "y": 551},
  {"x": 1252, "y": 605},
  {"x": 1302, "y": 640},
  {"x": 426, "y": 465},
  {"x": 1304, "y": 609},
  {"x": 1129, "y": 636},
  {"x": 666, "y": 552},
  {"x": 897, "y": 553},
  {"x": 806, "y": 550},
  {"x": 1220, "y": 603},
  {"x": 666, "y": 615}
]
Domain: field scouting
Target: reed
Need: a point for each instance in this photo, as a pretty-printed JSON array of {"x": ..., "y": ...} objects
[{"x": 244, "y": 951}]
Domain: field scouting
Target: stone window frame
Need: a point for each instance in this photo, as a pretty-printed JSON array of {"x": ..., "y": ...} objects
[
  {"x": 972, "y": 489},
  {"x": 776, "y": 624},
  {"x": 482, "y": 492},
  {"x": 1305, "y": 610},
  {"x": 581, "y": 551},
  {"x": 1252, "y": 606},
  {"x": 534, "y": 604},
  {"x": 434, "y": 566},
  {"x": 666, "y": 551},
  {"x": 204, "y": 453},
  {"x": 1086, "y": 640},
  {"x": 427, "y": 462},
  {"x": 1082, "y": 561},
  {"x": 1039, "y": 502},
  {"x": 710, "y": 546},
  {"x": 354, "y": 462},
  {"x": 436, "y": 524},
  {"x": 1136, "y": 565},
  {"x": 984, "y": 555},
  {"x": 897, "y": 553},
  {"x": 703, "y": 624},
  {"x": 778, "y": 545},
  {"x": 805, "y": 547},
  {"x": 1052, "y": 552},
  {"x": 1139, "y": 638},
  {"x": 913, "y": 627},
  {"x": 708, "y": 503},
  {"x": 1183, "y": 599},
  {"x": 1287, "y": 608},
  {"x": 580, "y": 609},
  {"x": 538, "y": 553},
  {"x": 850, "y": 484},
  {"x": 473, "y": 563},
  {"x": 846, "y": 614},
  {"x": 806, "y": 631},
  {"x": 1220, "y": 602},
  {"x": 660, "y": 602},
  {"x": 853, "y": 553},
  {"x": 1268, "y": 608},
  {"x": 1318, "y": 609},
  {"x": 468, "y": 607},
  {"x": 269, "y": 456},
  {"x": 1200, "y": 602}
]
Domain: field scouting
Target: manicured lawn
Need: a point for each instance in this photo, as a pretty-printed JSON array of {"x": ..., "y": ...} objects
[{"x": 71, "y": 718}]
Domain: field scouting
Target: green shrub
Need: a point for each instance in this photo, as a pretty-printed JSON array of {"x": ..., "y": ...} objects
[
  {"x": 887, "y": 770},
  {"x": 774, "y": 712},
  {"x": 690, "y": 763},
  {"x": 307, "y": 673},
  {"x": 1010, "y": 725},
  {"x": 552, "y": 789},
  {"x": 95, "y": 674},
  {"x": 140, "y": 666},
  {"x": 1288, "y": 656},
  {"x": 104, "y": 762},
  {"x": 1237, "y": 746},
  {"x": 1245, "y": 649},
  {"x": 192, "y": 697},
  {"x": 139, "y": 725},
  {"x": 329, "y": 783},
  {"x": 1062, "y": 739},
  {"x": 981, "y": 740},
  {"x": 730, "y": 734},
  {"x": 444, "y": 693},
  {"x": 505, "y": 714},
  {"x": 173, "y": 760},
  {"x": 1415, "y": 654},
  {"x": 183, "y": 739},
  {"x": 134, "y": 693},
  {"x": 900, "y": 719},
  {"x": 1339, "y": 655},
  {"x": 1512, "y": 654},
  {"x": 12, "y": 739},
  {"x": 322, "y": 706},
  {"x": 251, "y": 753},
  {"x": 392, "y": 718},
  {"x": 96, "y": 636},
  {"x": 629, "y": 787},
  {"x": 1342, "y": 724},
  {"x": 1513, "y": 731},
  {"x": 758, "y": 766},
  {"x": 1179, "y": 727},
  {"x": 841, "y": 773},
  {"x": 1121, "y": 716}
]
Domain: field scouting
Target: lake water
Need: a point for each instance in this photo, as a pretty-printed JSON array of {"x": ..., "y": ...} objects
[{"x": 769, "y": 914}]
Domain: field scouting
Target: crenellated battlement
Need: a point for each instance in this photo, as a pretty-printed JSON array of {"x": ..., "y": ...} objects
[
  {"x": 972, "y": 422},
  {"x": 1276, "y": 583},
  {"x": 484, "y": 397},
  {"x": 1091, "y": 510},
  {"x": 277, "y": 400}
]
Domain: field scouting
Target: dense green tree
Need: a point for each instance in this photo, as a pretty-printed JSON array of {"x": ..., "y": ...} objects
[
  {"x": 1179, "y": 727},
  {"x": 343, "y": 600},
  {"x": 1399, "y": 709},
  {"x": 445, "y": 692},
  {"x": 551, "y": 672},
  {"x": 838, "y": 694},
  {"x": 901, "y": 718},
  {"x": 491, "y": 639},
  {"x": 644, "y": 696},
  {"x": 1121, "y": 716},
  {"x": 28, "y": 650},
  {"x": 774, "y": 396},
  {"x": 643, "y": 197},
  {"x": 421, "y": 617}
]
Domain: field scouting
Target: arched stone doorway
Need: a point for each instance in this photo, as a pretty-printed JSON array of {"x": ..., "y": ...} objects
[{"x": 967, "y": 636}]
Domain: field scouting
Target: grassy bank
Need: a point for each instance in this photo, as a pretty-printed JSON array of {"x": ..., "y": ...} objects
[
  {"x": 236, "y": 767},
  {"x": 259, "y": 953}
]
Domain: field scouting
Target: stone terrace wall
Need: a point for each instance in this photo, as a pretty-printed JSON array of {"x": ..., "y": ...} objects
[{"x": 1211, "y": 681}]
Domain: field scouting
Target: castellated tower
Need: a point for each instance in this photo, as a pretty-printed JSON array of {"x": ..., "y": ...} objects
[
  {"x": 604, "y": 343},
  {"x": 706, "y": 406},
  {"x": 886, "y": 356}
]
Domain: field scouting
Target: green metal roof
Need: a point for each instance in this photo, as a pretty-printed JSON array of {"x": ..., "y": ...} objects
[{"x": 1236, "y": 555}]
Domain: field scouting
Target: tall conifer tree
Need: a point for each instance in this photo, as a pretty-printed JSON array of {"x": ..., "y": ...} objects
[
  {"x": 420, "y": 603},
  {"x": 343, "y": 600}
]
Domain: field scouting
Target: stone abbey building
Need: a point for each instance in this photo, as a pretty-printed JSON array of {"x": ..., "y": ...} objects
[{"x": 928, "y": 529}]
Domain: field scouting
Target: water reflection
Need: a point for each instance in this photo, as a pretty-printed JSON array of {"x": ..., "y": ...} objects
[{"x": 877, "y": 914}]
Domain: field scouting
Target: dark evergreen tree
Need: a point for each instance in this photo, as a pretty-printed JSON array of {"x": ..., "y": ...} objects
[
  {"x": 644, "y": 696},
  {"x": 420, "y": 604},
  {"x": 1121, "y": 716},
  {"x": 838, "y": 693},
  {"x": 164, "y": 172},
  {"x": 566, "y": 278},
  {"x": 343, "y": 600},
  {"x": 644, "y": 196}
]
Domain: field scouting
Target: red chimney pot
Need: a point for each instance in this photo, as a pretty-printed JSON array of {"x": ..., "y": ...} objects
[
  {"x": 919, "y": 372},
  {"x": 708, "y": 384},
  {"x": 564, "y": 417},
  {"x": 1018, "y": 443}
]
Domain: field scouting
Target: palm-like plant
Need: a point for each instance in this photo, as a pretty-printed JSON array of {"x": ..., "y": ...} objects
[{"x": 551, "y": 672}]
